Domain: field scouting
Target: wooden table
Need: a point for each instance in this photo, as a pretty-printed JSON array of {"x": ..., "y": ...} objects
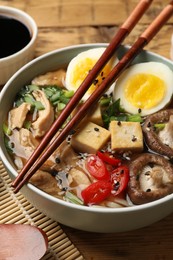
[{"x": 67, "y": 22}]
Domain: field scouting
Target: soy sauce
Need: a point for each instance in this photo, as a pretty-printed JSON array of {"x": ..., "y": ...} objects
[{"x": 14, "y": 36}]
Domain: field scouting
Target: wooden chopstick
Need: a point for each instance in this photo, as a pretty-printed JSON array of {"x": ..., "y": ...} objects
[{"x": 112, "y": 47}]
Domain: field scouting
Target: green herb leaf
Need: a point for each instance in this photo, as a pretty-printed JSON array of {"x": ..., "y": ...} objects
[
  {"x": 39, "y": 105},
  {"x": 29, "y": 99},
  {"x": 68, "y": 93},
  {"x": 48, "y": 92},
  {"x": 122, "y": 117},
  {"x": 159, "y": 126},
  {"x": 117, "y": 113},
  {"x": 61, "y": 106},
  {"x": 64, "y": 99},
  {"x": 134, "y": 118},
  {"x": 58, "y": 95},
  {"x": 105, "y": 101},
  {"x": 69, "y": 196},
  {"x": 6, "y": 129},
  {"x": 32, "y": 88},
  {"x": 8, "y": 145},
  {"x": 27, "y": 124},
  {"x": 55, "y": 96}
]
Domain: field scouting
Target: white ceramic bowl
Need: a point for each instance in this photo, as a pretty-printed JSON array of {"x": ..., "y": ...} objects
[
  {"x": 10, "y": 64},
  {"x": 79, "y": 217}
]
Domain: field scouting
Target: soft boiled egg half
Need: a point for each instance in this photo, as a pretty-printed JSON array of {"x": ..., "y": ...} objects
[
  {"x": 80, "y": 66},
  {"x": 145, "y": 87}
]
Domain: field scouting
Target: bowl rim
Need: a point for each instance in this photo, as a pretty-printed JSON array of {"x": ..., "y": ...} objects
[
  {"x": 33, "y": 29},
  {"x": 47, "y": 196}
]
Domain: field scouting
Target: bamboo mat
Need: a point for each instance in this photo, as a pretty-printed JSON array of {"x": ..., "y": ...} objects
[{"x": 14, "y": 208}]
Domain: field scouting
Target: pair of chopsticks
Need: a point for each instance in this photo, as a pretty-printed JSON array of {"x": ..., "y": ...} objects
[{"x": 41, "y": 154}]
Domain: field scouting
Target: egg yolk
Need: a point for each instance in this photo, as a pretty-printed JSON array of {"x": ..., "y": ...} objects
[
  {"x": 144, "y": 90},
  {"x": 82, "y": 69}
]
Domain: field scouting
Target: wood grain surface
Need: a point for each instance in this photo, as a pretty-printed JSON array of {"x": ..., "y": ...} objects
[{"x": 68, "y": 22}]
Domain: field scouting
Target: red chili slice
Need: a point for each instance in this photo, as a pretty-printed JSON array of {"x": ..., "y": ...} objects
[
  {"x": 111, "y": 160},
  {"x": 96, "y": 192},
  {"x": 97, "y": 168},
  {"x": 120, "y": 179}
]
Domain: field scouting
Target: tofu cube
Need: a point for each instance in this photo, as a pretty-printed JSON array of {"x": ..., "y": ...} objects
[
  {"x": 95, "y": 115},
  {"x": 126, "y": 136},
  {"x": 90, "y": 138}
]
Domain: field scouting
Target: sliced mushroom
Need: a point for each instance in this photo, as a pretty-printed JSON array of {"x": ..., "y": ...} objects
[
  {"x": 17, "y": 115},
  {"x": 160, "y": 141},
  {"x": 151, "y": 178},
  {"x": 166, "y": 135},
  {"x": 45, "y": 116},
  {"x": 51, "y": 78}
]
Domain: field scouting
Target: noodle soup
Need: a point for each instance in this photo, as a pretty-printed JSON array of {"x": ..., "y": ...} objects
[{"x": 120, "y": 153}]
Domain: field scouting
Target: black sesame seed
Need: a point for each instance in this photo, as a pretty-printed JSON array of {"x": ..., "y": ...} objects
[
  {"x": 119, "y": 123},
  {"x": 137, "y": 177},
  {"x": 149, "y": 124},
  {"x": 64, "y": 188},
  {"x": 57, "y": 160},
  {"x": 139, "y": 110},
  {"x": 68, "y": 139},
  {"x": 148, "y": 190},
  {"x": 12, "y": 145},
  {"x": 72, "y": 132},
  {"x": 151, "y": 164},
  {"x": 102, "y": 74},
  {"x": 96, "y": 129},
  {"x": 134, "y": 138},
  {"x": 53, "y": 172}
]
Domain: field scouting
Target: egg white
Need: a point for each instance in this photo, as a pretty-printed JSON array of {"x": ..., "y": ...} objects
[
  {"x": 157, "y": 69},
  {"x": 93, "y": 54}
]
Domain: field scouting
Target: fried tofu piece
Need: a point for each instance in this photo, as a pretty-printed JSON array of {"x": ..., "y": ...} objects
[
  {"x": 90, "y": 138},
  {"x": 95, "y": 115},
  {"x": 126, "y": 136}
]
